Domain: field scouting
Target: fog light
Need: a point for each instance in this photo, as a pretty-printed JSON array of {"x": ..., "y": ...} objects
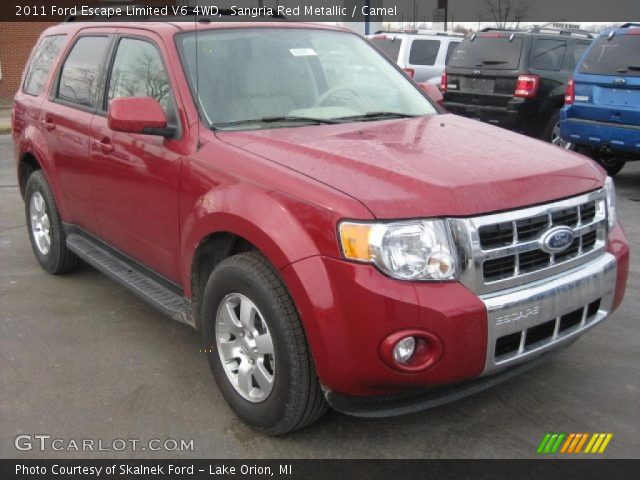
[{"x": 404, "y": 349}]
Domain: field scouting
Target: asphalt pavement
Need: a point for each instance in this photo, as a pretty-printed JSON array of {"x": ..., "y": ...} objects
[{"x": 82, "y": 358}]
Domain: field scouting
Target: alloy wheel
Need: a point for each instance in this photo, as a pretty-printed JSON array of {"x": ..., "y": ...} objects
[
  {"x": 40, "y": 226},
  {"x": 245, "y": 347}
]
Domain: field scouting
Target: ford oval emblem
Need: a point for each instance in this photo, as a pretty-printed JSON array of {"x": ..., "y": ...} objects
[
  {"x": 557, "y": 239},
  {"x": 619, "y": 82}
]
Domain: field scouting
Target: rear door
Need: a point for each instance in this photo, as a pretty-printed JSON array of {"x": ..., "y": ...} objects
[
  {"x": 66, "y": 119},
  {"x": 608, "y": 81},
  {"x": 484, "y": 70}
]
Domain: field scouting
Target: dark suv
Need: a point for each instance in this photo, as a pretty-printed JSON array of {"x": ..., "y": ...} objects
[{"x": 514, "y": 79}]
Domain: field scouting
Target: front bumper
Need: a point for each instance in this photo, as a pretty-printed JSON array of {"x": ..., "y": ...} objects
[{"x": 348, "y": 310}]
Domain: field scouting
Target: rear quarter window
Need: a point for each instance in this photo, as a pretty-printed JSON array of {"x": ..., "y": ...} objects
[
  {"x": 576, "y": 55},
  {"x": 81, "y": 80},
  {"x": 450, "y": 49},
  {"x": 619, "y": 55},
  {"x": 424, "y": 52},
  {"x": 41, "y": 64},
  {"x": 495, "y": 52},
  {"x": 390, "y": 46}
]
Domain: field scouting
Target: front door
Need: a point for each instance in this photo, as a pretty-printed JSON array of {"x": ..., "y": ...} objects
[{"x": 135, "y": 178}]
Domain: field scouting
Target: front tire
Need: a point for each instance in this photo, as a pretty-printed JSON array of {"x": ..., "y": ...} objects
[
  {"x": 612, "y": 165},
  {"x": 45, "y": 227},
  {"x": 256, "y": 347}
]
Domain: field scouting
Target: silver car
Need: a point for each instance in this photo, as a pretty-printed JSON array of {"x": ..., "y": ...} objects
[{"x": 423, "y": 54}]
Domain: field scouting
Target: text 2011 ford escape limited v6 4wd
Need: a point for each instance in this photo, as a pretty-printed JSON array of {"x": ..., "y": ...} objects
[{"x": 290, "y": 192}]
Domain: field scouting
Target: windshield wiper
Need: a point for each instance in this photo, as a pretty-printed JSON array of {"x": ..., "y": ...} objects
[
  {"x": 283, "y": 119},
  {"x": 492, "y": 62},
  {"x": 627, "y": 68},
  {"x": 378, "y": 115}
]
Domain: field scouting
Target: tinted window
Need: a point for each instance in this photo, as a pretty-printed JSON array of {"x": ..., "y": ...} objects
[
  {"x": 81, "y": 80},
  {"x": 424, "y": 52},
  {"x": 578, "y": 51},
  {"x": 618, "y": 56},
  {"x": 138, "y": 71},
  {"x": 390, "y": 46},
  {"x": 548, "y": 54},
  {"x": 493, "y": 52},
  {"x": 450, "y": 49},
  {"x": 46, "y": 52}
]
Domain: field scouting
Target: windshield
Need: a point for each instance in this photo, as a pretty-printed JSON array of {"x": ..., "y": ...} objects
[
  {"x": 495, "y": 52},
  {"x": 619, "y": 55},
  {"x": 293, "y": 77}
]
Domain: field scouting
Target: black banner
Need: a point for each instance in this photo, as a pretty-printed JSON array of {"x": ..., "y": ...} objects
[
  {"x": 404, "y": 12},
  {"x": 321, "y": 469}
]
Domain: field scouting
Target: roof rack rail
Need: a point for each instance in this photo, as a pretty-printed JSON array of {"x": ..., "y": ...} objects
[
  {"x": 191, "y": 12},
  {"x": 630, "y": 25},
  {"x": 495, "y": 29},
  {"x": 440, "y": 33},
  {"x": 563, "y": 31}
]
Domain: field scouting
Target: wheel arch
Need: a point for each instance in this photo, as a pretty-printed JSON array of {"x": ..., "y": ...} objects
[
  {"x": 27, "y": 164},
  {"x": 211, "y": 250}
]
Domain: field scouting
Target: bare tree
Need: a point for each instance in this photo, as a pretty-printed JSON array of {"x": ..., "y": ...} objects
[{"x": 507, "y": 13}]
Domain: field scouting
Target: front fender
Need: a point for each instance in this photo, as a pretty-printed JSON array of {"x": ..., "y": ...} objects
[{"x": 282, "y": 228}]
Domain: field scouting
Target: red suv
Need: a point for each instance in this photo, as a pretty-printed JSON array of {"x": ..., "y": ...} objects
[{"x": 290, "y": 192}]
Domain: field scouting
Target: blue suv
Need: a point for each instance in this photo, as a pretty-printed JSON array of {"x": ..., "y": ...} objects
[{"x": 601, "y": 116}]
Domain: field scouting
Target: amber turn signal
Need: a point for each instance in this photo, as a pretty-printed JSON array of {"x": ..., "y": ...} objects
[{"x": 354, "y": 238}]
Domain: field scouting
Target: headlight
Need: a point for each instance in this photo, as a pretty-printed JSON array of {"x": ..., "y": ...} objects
[
  {"x": 417, "y": 250},
  {"x": 610, "y": 191}
]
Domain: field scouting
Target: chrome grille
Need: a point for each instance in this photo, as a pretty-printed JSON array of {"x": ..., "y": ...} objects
[
  {"x": 536, "y": 336},
  {"x": 529, "y": 320},
  {"x": 503, "y": 250}
]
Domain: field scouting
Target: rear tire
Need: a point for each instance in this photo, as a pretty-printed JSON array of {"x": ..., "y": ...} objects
[
  {"x": 45, "y": 228},
  {"x": 294, "y": 398},
  {"x": 551, "y": 133}
]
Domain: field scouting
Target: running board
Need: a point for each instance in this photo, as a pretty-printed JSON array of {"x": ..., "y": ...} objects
[{"x": 132, "y": 277}]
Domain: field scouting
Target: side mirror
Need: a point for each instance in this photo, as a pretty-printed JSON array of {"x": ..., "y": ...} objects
[
  {"x": 433, "y": 92},
  {"x": 142, "y": 115}
]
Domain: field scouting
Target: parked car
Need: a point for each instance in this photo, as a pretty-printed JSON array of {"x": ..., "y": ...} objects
[
  {"x": 514, "y": 79},
  {"x": 423, "y": 54},
  {"x": 602, "y": 112},
  {"x": 328, "y": 232}
]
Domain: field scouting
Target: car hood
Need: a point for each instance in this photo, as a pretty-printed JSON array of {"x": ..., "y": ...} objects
[{"x": 441, "y": 165}]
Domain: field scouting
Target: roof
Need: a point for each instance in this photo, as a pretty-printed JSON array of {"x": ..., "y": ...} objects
[{"x": 169, "y": 28}]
